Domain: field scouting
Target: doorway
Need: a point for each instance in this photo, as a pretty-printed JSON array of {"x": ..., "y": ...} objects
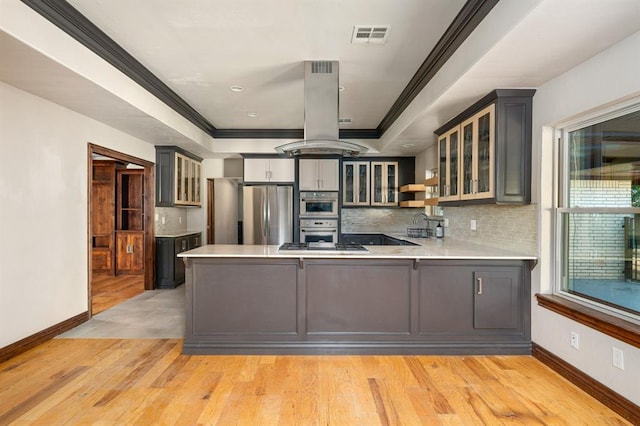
[{"x": 110, "y": 281}]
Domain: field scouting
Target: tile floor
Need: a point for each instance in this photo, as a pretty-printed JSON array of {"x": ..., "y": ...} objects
[{"x": 151, "y": 315}]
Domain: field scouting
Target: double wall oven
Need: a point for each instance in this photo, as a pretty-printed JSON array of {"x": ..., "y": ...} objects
[{"x": 319, "y": 217}]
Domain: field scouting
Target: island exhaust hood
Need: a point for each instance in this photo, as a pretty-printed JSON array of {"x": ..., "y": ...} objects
[{"x": 321, "y": 115}]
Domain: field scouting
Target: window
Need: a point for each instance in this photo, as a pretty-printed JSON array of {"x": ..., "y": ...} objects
[{"x": 598, "y": 220}]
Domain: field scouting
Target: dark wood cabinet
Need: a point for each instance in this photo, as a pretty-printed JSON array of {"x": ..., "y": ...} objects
[
  {"x": 178, "y": 177},
  {"x": 485, "y": 152},
  {"x": 129, "y": 253},
  {"x": 103, "y": 210},
  {"x": 170, "y": 268},
  {"x": 130, "y": 221}
]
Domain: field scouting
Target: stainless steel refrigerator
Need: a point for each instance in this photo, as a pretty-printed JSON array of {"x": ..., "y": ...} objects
[{"x": 267, "y": 214}]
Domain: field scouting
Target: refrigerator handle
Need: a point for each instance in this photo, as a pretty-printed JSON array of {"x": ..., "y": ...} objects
[
  {"x": 264, "y": 215},
  {"x": 268, "y": 217}
]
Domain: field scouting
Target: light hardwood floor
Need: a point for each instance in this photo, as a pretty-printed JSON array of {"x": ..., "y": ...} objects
[
  {"x": 109, "y": 290},
  {"x": 149, "y": 381}
]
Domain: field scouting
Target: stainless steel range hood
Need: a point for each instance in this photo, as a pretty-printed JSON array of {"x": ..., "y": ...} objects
[{"x": 321, "y": 114}]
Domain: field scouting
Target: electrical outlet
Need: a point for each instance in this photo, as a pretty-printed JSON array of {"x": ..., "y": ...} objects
[
  {"x": 473, "y": 225},
  {"x": 575, "y": 340},
  {"x": 446, "y": 222},
  {"x": 179, "y": 219},
  {"x": 164, "y": 220},
  {"x": 618, "y": 358}
]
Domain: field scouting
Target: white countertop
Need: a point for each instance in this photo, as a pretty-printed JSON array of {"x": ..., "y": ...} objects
[
  {"x": 180, "y": 234},
  {"x": 431, "y": 248}
]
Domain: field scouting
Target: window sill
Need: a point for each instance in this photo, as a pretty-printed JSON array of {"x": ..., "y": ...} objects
[{"x": 617, "y": 328}]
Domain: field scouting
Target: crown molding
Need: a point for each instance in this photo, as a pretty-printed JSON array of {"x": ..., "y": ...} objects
[{"x": 71, "y": 21}]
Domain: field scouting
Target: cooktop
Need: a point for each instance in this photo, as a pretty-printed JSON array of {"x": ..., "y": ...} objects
[{"x": 322, "y": 246}]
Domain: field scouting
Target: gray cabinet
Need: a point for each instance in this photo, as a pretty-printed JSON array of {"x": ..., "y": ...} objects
[
  {"x": 481, "y": 301},
  {"x": 485, "y": 152},
  {"x": 346, "y": 305},
  {"x": 170, "y": 270},
  {"x": 178, "y": 177}
]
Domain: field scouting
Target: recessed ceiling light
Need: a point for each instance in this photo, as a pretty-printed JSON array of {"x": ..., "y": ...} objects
[
  {"x": 252, "y": 114},
  {"x": 236, "y": 88},
  {"x": 408, "y": 145}
]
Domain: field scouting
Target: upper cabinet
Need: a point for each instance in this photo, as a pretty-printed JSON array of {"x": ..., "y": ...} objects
[
  {"x": 355, "y": 189},
  {"x": 269, "y": 170},
  {"x": 384, "y": 183},
  {"x": 375, "y": 181},
  {"x": 485, "y": 152},
  {"x": 319, "y": 174},
  {"x": 178, "y": 177}
]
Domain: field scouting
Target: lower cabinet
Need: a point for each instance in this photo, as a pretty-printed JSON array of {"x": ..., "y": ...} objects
[
  {"x": 366, "y": 306},
  {"x": 483, "y": 301},
  {"x": 169, "y": 267},
  {"x": 129, "y": 252}
]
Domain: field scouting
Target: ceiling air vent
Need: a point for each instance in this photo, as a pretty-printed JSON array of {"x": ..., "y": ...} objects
[
  {"x": 370, "y": 34},
  {"x": 344, "y": 120},
  {"x": 321, "y": 67}
]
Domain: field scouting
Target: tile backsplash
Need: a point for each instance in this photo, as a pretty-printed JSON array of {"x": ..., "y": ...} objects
[
  {"x": 378, "y": 220},
  {"x": 175, "y": 220},
  {"x": 508, "y": 227}
]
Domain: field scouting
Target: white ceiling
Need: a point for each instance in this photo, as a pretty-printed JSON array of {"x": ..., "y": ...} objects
[{"x": 201, "y": 48}]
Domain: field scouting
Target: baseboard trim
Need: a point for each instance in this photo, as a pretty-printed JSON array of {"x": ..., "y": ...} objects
[
  {"x": 34, "y": 340},
  {"x": 602, "y": 393}
]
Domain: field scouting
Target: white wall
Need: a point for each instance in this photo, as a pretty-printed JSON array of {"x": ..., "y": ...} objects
[
  {"x": 43, "y": 213},
  {"x": 605, "y": 79}
]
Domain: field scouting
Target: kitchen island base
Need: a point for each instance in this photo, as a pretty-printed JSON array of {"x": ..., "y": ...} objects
[{"x": 356, "y": 306}]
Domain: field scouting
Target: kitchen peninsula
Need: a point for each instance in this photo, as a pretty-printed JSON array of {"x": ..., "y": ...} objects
[{"x": 438, "y": 297}]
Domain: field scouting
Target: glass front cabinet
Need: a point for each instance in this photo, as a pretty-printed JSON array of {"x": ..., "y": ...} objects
[
  {"x": 448, "y": 148},
  {"x": 477, "y": 147},
  {"x": 355, "y": 175},
  {"x": 384, "y": 183},
  {"x": 178, "y": 178},
  {"x": 484, "y": 154},
  {"x": 187, "y": 181}
]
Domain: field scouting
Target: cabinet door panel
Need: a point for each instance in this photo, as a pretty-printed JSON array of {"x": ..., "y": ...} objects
[
  {"x": 255, "y": 169},
  {"x": 308, "y": 175},
  {"x": 129, "y": 253},
  {"x": 467, "y": 156},
  {"x": 349, "y": 188},
  {"x": 446, "y": 300},
  {"x": 282, "y": 170},
  {"x": 496, "y": 299},
  {"x": 384, "y": 183},
  {"x": 329, "y": 174},
  {"x": 442, "y": 166},
  {"x": 484, "y": 162},
  {"x": 453, "y": 164},
  {"x": 363, "y": 183}
]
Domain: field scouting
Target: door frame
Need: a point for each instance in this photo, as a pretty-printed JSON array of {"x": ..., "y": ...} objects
[{"x": 149, "y": 209}]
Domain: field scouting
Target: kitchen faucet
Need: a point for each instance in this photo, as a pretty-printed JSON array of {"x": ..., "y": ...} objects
[{"x": 421, "y": 215}]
